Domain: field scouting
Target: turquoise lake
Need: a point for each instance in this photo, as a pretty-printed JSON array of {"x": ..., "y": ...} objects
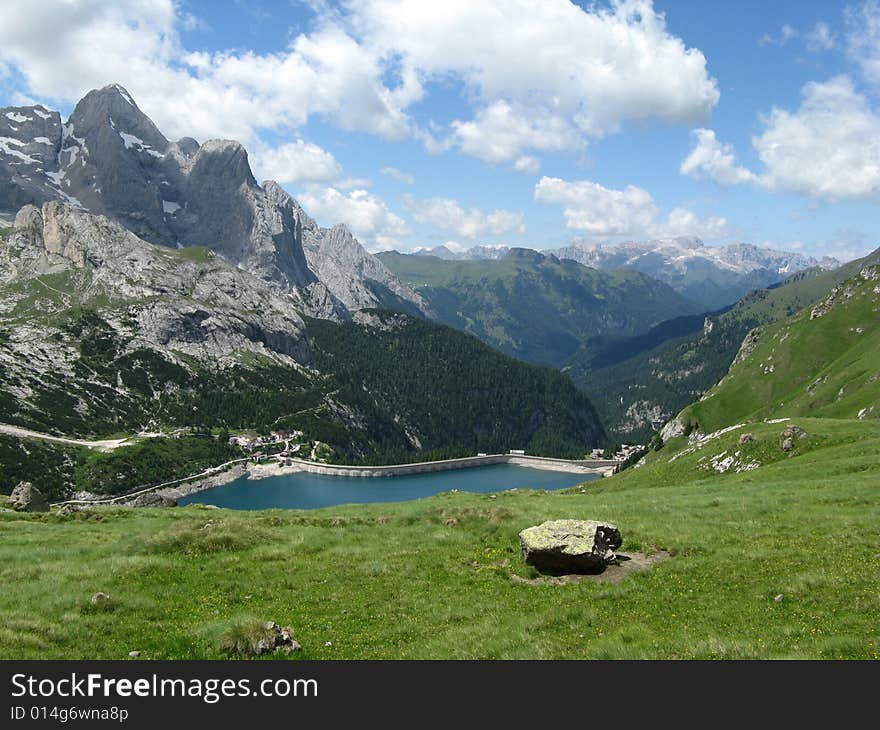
[{"x": 312, "y": 491}]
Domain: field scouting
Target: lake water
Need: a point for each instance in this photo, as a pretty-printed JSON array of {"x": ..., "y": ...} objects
[{"x": 302, "y": 490}]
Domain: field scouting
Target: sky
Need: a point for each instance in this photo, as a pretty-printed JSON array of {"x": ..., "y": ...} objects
[{"x": 515, "y": 122}]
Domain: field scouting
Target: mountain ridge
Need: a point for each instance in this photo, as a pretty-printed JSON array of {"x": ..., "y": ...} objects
[
  {"x": 535, "y": 306},
  {"x": 713, "y": 276},
  {"x": 110, "y": 159}
]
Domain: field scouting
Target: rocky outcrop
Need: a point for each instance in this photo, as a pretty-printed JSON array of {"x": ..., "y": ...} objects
[
  {"x": 350, "y": 274},
  {"x": 674, "y": 428},
  {"x": 751, "y": 341},
  {"x": 27, "y": 498},
  {"x": 562, "y": 547},
  {"x": 194, "y": 303}
]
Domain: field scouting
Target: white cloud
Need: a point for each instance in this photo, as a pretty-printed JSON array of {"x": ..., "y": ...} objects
[
  {"x": 364, "y": 65},
  {"x": 863, "y": 38},
  {"x": 527, "y": 164},
  {"x": 828, "y": 148},
  {"x": 786, "y": 33},
  {"x": 448, "y": 215},
  {"x": 683, "y": 222},
  {"x": 228, "y": 94},
  {"x": 399, "y": 175},
  {"x": 501, "y": 133},
  {"x": 365, "y": 214},
  {"x": 713, "y": 160},
  {"x": 296, "y": 162},
  {"x": 820, "y": 38},
  {"x": 606, "y": 213}
]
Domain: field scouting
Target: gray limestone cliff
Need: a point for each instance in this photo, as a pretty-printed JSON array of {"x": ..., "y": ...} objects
[{"x": 110, "y": 159}]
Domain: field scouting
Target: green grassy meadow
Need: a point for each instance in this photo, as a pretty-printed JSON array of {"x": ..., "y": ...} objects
[{"x": 396, "y": 581}]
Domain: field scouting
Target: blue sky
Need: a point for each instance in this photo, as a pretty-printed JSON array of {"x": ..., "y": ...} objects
[{"x": 514, "y": 122}]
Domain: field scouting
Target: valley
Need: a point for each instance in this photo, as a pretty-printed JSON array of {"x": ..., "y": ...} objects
[{"x": 164, "y": 316}]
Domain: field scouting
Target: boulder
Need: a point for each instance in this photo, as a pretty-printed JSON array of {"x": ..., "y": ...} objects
[
  {"x": 746, "y": 438},
  {"x": 27, "y": 498},
  {"x": 788, "y": 444},
  {"x": 563, "y": 547}
]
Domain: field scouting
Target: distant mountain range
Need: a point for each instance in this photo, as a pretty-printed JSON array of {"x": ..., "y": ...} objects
[
  {"x": 475, "y": 253},
  {"x": 536, "y": 306},
  {"x": 712, "y": 276}
]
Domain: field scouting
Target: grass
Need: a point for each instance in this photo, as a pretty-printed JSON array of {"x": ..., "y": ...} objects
[
  {"x": 395, "y": 581},
  {"x": 827, "y": 366}
]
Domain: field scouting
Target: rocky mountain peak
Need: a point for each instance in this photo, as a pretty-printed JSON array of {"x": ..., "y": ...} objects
[
  {"x": 225, "y": 162},
  {"x": 112, "y": 111},
  {"x": 279, "y": 196},
  {"x": 110, "y": 159},
  {"x": 527, "y": 254}
]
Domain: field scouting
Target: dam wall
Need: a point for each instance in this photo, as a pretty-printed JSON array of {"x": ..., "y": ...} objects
[{"x": 586, "y": 466}]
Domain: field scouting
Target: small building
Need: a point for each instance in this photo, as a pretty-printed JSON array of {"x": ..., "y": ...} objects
[{"x": 517, "y": 452}]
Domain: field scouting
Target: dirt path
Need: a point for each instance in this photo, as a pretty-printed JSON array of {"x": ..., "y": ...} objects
[{"x": 104, "y": 445}]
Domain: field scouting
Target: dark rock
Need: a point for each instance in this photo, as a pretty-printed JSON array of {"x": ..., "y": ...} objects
[
  {"x": 27, "y": 498},
  {"x": 276, "y": 639},
  {"x": 561, "y": 547}
]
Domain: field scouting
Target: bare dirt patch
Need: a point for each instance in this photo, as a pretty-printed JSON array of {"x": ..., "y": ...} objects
[{"x": 629, "y": 563}]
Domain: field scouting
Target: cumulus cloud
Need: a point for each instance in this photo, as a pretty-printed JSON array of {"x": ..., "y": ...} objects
[
  {"x": 713, "y": 160},
  {"x": 501, "y": 132},
  {"x": 399, "y": 175},
  {"x": 449, "y": 215},
  {"x": 296, "y": 162},
  {"x": 365, "y": 214},
  {"x": 363, "y": 66},
  {"x": 828, "y": 148},
  {"x": 606, "y": 213}
]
